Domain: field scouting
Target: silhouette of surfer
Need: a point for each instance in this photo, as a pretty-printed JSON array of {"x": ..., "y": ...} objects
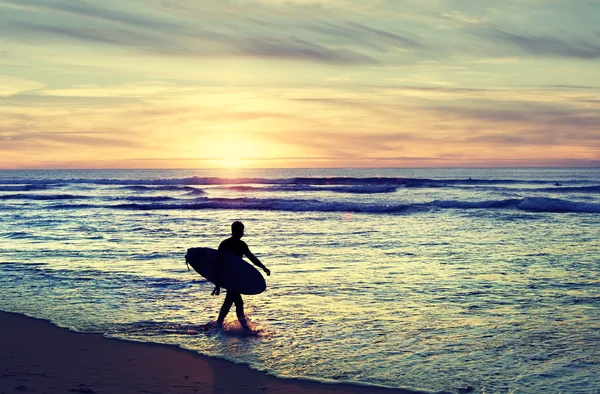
[{"x": 236, "y": 247}]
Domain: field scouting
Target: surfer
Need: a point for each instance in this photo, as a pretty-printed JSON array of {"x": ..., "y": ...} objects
[{"x": 237, "y": 247}]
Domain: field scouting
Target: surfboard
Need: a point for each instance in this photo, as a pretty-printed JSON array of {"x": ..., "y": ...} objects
[{"x": 235, "y": 274}]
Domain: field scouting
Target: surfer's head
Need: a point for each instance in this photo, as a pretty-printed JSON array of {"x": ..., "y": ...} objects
[{"x": 237, "y": 230}]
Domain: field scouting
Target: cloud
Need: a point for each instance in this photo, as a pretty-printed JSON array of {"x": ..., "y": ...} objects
[
  {"x": 294, "y": 48},
  {"x": 212, "y": 30},
  {"x": 14, "y": 85},
  {"x": 461, "y": 18},
  {"x": 547, "y": 45},
  {"x": 527, "y": 114},
  {"x": 522, "y": 125},
  {"x": 199, "y": 43},
  {"x": 348, "y": 144},
  {"x": 94, "y": 34},
  {"x": 400, "y": 40},
  {"x": 341, "y": 36},
  {"x": 43, "y": 99},
  {"x": 24, "y": 140},
  {"x": 87, "y": 10}
]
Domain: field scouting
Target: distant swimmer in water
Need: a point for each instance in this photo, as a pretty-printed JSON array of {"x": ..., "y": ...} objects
[
  {"x": 558, "y": 184},
  {"x": 236, "y": 247}
]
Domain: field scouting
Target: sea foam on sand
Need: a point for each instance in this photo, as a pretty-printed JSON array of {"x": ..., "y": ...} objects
[{"x": 36, "y": 356}]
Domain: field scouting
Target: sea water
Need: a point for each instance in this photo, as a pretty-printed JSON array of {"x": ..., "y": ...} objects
[{"x": 428, "y": 279}]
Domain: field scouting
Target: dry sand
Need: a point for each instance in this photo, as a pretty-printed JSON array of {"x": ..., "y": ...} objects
[{"x": 38, "y": 357}]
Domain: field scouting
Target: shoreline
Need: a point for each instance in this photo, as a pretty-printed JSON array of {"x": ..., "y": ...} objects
[{"x": 38, "y": 356}]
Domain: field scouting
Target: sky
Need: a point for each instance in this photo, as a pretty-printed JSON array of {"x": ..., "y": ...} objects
[{"x": 299, "y": 83}]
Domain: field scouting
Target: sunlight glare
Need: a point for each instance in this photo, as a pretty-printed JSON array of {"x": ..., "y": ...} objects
[
  {"x": 230, "y": 162},
  {"x": 234, "y": 151}
]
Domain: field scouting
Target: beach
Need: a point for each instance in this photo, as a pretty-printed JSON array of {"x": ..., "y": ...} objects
[{"x": 36, "y": 356}]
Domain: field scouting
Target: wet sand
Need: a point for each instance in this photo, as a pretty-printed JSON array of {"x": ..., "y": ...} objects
[{"x": 38, "y": 357}]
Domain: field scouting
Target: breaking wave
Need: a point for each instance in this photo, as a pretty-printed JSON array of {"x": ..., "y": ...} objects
[
  {"x": 21, "y": 196},
  {"x": 22, "y": 188},
  {"x": 149, "y": 198},
  {"x": 532, "y": 204},
  {"x": 195, "y": 192},
  {"x": 176, "y": 188},
  {"x": 545, "y": 204},
  {"x": 355, "y": 189},
  {"x": 568, "y": 189}
]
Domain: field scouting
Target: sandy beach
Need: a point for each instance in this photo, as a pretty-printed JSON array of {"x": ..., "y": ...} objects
[{"x": 38, "y": 357}]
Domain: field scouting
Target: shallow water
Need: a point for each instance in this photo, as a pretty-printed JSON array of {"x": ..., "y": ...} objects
[{"x": 430, "y": 281}]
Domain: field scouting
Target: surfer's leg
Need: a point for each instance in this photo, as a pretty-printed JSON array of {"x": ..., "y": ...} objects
[
  {"x": 239, "y": 306},
  {"x": 229, "y": 300},
  {"x": 239, "y": 311}
]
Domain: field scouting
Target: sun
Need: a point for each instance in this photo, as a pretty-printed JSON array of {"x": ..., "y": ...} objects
[
  {"x": 236, "y": 151},
  {"x": 230, "y": 162},
  {"x": 232, "y": 151}
]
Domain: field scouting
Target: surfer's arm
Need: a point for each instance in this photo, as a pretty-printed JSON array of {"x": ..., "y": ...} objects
[{"x": 256, "y": 261}]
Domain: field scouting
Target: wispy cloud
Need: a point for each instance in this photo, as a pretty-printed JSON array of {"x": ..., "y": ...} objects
[
  {"x": 90, "y": 11},
  {"x": 19, "y": 139},
  {"x": 547, "y": 45},
  {"x": 14, "y": 85},
  {"x": 201, "y": 43}
]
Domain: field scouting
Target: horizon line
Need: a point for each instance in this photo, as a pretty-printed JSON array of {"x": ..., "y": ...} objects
[{"x": 290, "y": 168}]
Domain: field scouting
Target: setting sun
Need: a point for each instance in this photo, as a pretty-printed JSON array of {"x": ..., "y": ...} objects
[
  {"x": 232, "y": 162},
  {"x": 231, "y": 150}
]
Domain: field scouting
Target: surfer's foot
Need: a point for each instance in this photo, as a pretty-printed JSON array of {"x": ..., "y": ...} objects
[
  {"x": 244, "y": 324},
  {"x": 211, "y": 326}
]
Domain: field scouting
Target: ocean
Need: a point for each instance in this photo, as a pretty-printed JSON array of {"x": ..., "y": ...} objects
[{"x": 426, "y": 279}]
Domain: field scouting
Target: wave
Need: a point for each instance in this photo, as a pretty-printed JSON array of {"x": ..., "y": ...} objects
[
  {"x": 509, "y": 203},
  {"x": 366, "y": 189},
  {"x": 143, "y": 184},
  {"x": 22, "y": 188},
  {"x": 535, "y": 204},
  {"x": 354, "y": 189},
  {"x": 149, "y": 198},
  {"x": 570, "y": 189},
  {"x": 164, "y": 188},
  {"x": 140, "y": 184},
  {"x": 195, "y": 192},
  {"x": 41, "y": 197},
  {"x": 263, "y": 204},
  {"x": 77, "y": 206},
  {"x": 545, "y": 204},
  {"x": 138, "y": 188},
  {"x": 16, "y": 235},
  {"x": 532, "y": 204}
]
